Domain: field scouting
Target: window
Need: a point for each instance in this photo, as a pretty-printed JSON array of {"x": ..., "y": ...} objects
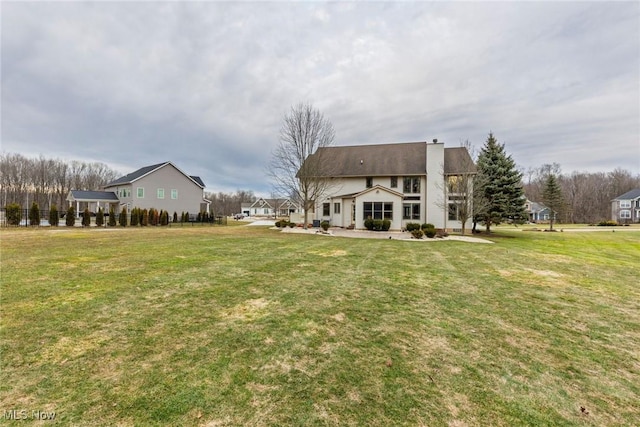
[
  {"x": 625, "y": 214},
  {"x": 174, "y": 194},
  {"x": 326, "y": 209},
  {"x": 377, "y": 210},
  {"x": 124, "y": 192},
  {"x": 411, "y": 211},
  {"x": 336, "y": 208},
  {"x": 140, "y": 193},
  {"x": 369, "y": 182},
  {"x": 394, "y": 182},
  {"x": 411, "y": 184},
  {"x": 160, "y": 193},
  {"x": 454, "y": 183},
  {"x": 453, "y": 212},
  {"x": 625, "y": 203}
]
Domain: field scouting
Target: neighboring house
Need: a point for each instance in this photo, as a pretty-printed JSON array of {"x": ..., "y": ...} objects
[
  {"x": 626, "y": 208},
  {"x": 402, "y": 182},
  {"x": 270, "y": 207},
  {"x": 538, "y": 212},
  {"x": 162, "y": 186}
]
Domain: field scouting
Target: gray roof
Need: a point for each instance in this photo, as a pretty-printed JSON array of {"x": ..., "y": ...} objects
[
  {"x": 128, "y": 179},
  {"x": 408, "y": 158},
  {"x": 629, "y": 195},
  {"x": 81, "y": 195}
]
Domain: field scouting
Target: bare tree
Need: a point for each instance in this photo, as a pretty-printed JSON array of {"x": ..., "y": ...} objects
[{"x": 298, "y": 165}]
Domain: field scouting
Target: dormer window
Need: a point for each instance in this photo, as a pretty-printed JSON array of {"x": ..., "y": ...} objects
[{"x": 369, "y": 182}]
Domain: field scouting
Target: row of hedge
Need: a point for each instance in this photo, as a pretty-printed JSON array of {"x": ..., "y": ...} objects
[{"x": 417, "y": 230}]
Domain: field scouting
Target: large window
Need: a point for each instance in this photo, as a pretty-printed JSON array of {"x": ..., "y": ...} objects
[
  {"x": 411, "y": 184},
  {"x": 625, "y": 203},
  {"x": 453, "y": 212},
  {"x": 140, "y": 193},
  {"x": 326, "y": 209},
  {"x": 377, "y": 210},
  {"x": 160, "y": 193},
  {"x": 625, "y": 214},
  {"x": 411, "y": 211},
  {"x": 336, "y": 208},
  {"x": 124, "y": 192}
]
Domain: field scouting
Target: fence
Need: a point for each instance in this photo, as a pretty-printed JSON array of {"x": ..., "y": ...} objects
[{"x": 44, "y": 220}]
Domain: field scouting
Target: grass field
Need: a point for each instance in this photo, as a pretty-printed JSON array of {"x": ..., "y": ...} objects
[{"x": 247, "y": 326}]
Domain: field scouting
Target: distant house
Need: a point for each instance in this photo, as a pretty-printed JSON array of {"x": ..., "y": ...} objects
[
  {"x": 401, "y": 182},
  {"x": 538, "y": 212},
  {"x": 162, "y": 186},
  {"x": 270, "y": 208},
  {"x": 626, "y": 208}
]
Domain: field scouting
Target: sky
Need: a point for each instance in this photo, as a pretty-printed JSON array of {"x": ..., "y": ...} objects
[{"x": 206, "y": 85}]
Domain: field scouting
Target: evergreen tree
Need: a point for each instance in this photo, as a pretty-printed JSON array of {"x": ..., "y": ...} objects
[
  {"x": 135, "y": 217},
  {"x": 500, "y": 185},
  {"x": 175, "y": 216},
  {"x": 70, "y": 219},
  {"x": 112, "y": 216},
  {"x": 552, "y": 197},
  {"x": 86, "y": 218},
  {"x": 34, "y": 214},
  {"x": 99, "y": 218},
  {"x": 122, "y": 219},
  {"x": 14, "y": 214},
  {"x": 144, "y": 221},
  {"x": 54, "y": 219}
]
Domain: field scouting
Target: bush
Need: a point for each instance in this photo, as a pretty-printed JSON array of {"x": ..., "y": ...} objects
[
  {"x": 377, "y": 225},
  {"x": 175, "y": 216},
  {"x": 144, "y": 218},
  {"x": 324, "y": 225},
  {"x": 430, "y": 232},
  {"x": 368, "y": 224},
  {"x": 99, "y": 218},
  {"x": 54, "y": 219},
  {"x": 34, "y": 214},
  {"x": 70, "y": 219},
  {"x": 417, "y": 233},
  {"x": 291, "y": 225},
  {"x": 426, "y": 226},
  {"x": 86, "y": 218},
  {"x": 386, "y": 225},
  {"x": 135, "y": 217},
  {"x": 164, "y": 218},
  {"x": 411, "y": 226},
  {"x": 14, "y": 214},
  {"x": 608, "y": 223},
  {"x": 112, "y": 217}
]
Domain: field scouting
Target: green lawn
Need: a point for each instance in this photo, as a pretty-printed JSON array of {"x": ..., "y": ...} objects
[{"x": 249, "y": 326}]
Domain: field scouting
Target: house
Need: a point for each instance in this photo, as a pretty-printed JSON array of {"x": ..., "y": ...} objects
[
  {"x": 162, "y": 186},
  {"x": 538, "y": 212},
  {"x": 270, "y": 208},
  {"x": 626, "y": 208},
  {"x": 402, "y": 182}
]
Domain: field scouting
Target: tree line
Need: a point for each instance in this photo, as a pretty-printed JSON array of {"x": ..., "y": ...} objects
[
  {"x": 47, "y": 182},
  {"x": 585, "y": 197},
  {"x": 230, "y": 203}
]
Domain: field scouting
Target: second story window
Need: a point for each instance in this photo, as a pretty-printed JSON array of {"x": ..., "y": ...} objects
[
  {"x": 160, "y": 193},
  {"x": 369, "y": 182},
  {"x": 411, "y": 184},
  {"x": 140, "y": 192},
  {"x": 394, "y": 182}
]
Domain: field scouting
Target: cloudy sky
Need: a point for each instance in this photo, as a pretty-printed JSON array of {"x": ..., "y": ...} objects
[{"x": 206, "y": 84}]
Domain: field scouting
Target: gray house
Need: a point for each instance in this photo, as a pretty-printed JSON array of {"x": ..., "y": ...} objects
[
  {"x": 626, "y": 208},
  {"x": 162, "y": 186},
  {"x": 538, "y": 212}
]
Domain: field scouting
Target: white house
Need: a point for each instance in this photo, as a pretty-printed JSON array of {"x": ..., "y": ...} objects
[
  {"x": 270, "y": 208},
  {"x": 402, "y": 182}
]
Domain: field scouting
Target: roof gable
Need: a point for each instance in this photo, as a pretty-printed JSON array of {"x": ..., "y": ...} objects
[
  {"x": 82, "y": 195},
  {"x": 378, "y": 188},
  {"x": 629, "y": 195},
  {"x": 146, "y": 170}
]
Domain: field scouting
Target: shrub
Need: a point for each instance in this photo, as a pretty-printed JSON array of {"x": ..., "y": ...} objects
[
  {"x": 417, "y": 233},
  {"x": 411, "y": 226},
  {"x": 86, "y": 218},
  {"x": 426, "y": 226},
  {"x": 135, "y": 217},
  {"x": 164, "y": 218},
  {"x": 175, "y": 216},
  {"x": 34, "y": 214},
  {"x": 324, "y": 225},
  {"x": 430, "y": 232},
  {"x": 368, "y": 224},
  {"x": 291, "y": 225},
  {"x": 70, "y": 219},
  {"x": 278, "y": 224},
  {"x": 99, "y": 218},
  {"x": 112, "y": 217},
  {"x": 122, "y": 218},
  {"x": 14, "y": 214},
  {"x": 386, "y": 225},
  {"x": 54, "y": 219},
  {"x": 144, "y": 218},
  {"x": 377, "y": 224},
  {"x": 608, "y": 223}
]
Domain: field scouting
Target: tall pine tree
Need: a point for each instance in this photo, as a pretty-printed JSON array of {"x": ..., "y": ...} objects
[
  {"x": 552, "y": 197},
  {"x": 500, "y": 185}
]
